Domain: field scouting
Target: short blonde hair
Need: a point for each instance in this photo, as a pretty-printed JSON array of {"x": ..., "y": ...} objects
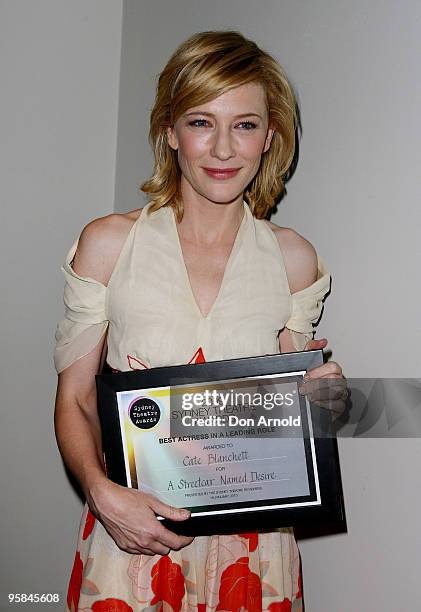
[{"x": 202, "y": 68}]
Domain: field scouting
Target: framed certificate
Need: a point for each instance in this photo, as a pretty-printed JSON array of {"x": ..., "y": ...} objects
[{"x": 233, "y": 441}]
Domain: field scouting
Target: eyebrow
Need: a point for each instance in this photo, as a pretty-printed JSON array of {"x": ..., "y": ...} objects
[{"x": 211, "y": 115}]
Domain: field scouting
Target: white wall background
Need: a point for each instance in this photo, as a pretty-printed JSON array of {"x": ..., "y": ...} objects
[
  {"x": 59, "y": 66},
  {"x": 355, "y": 195}
]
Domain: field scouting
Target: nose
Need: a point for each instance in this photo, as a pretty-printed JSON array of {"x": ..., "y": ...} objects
[{"x": 222, "y": 146}]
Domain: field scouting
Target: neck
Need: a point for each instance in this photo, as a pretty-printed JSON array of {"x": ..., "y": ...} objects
[{"x": 207, "y": 222}]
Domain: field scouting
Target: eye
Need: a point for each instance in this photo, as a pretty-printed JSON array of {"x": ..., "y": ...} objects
[
  {"x": 248, "y": 125},
  {"x": 198, "y": 122}
]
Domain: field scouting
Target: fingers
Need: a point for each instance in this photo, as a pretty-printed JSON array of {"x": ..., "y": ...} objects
[
  {"x": 327, "y": 393},
  {"x": 152, "y": 539},
  {"x": 331, "y": 369},
  {"x": 164, "y": 535},
  {"x": 314, "y": 344},
  {"x": 137, "y": 530},
  {"x": 171, "y": 539},
  {"x": 323, "y": 389},
  {"x": 155, "y": 548},
  {"x": 168, "y": 512}
]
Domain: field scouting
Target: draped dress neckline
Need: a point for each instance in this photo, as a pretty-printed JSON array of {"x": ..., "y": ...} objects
[{"x": 236, "y": 248}]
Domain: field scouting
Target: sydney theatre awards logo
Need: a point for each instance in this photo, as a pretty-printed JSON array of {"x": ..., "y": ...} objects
[{"x": 144, "y": 412}]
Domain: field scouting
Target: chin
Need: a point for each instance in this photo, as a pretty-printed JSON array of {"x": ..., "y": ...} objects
[
  {"x": 220, "y": 199},
  {"x": 223, "y": 196}
]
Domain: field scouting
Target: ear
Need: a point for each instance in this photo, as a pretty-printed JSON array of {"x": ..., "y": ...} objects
[
  {"x": 268, "y": 140},
  {"x": 172, "y": 138}
]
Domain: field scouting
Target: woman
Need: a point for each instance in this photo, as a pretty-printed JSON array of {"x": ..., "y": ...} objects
[{"x": 198, "y": 274}]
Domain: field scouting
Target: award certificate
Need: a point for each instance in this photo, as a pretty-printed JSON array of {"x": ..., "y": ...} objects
[{"x": 234, "y": 441}]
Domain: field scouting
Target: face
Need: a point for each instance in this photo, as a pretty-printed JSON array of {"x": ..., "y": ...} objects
[{"x": 220, "y": 143}]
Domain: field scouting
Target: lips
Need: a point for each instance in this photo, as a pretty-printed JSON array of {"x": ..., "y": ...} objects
[{"x": 221, "y": 173}]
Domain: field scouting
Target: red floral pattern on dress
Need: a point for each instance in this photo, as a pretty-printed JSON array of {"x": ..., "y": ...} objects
[
  {"x": 299, "y": 592},
  {"x": 240, "y": 588},
  {"x": 89, "y": 525},
  {"x": 167, "y": 583},
  {"x": 198, "y": 357},
  {"x": 280, "y": 606},
  {"x": 253, "y": 539},
  {"x": 136, "y": 364},
  {"x": 111, "y": 605},
  {"x": 73, "y": 593}
]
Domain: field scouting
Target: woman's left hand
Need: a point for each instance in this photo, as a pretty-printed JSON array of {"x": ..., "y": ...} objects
[{"x": 325, "y": 385}]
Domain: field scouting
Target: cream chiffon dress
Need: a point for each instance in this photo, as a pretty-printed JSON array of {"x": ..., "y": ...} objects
[{"x": 151, "y": 319}]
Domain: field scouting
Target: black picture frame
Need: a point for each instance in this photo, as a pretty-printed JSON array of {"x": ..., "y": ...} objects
[{"x": 324, "y": 501}]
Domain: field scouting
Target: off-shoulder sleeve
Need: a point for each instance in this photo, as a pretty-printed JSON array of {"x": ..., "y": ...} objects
[
  {"x": 307, "y": 307},
  {"x": 85, "y": 320}
]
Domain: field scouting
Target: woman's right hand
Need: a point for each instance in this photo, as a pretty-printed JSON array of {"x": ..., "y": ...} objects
[{"x": 129, "y": 516}]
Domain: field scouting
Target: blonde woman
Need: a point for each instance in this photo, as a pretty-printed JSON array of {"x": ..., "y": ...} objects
[{"x": 197, "y": 274}]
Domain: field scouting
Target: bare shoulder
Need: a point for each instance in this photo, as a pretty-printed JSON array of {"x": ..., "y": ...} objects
[
  {"x": 100, "y": 244},
  {"x": 300, "y": 257}
]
